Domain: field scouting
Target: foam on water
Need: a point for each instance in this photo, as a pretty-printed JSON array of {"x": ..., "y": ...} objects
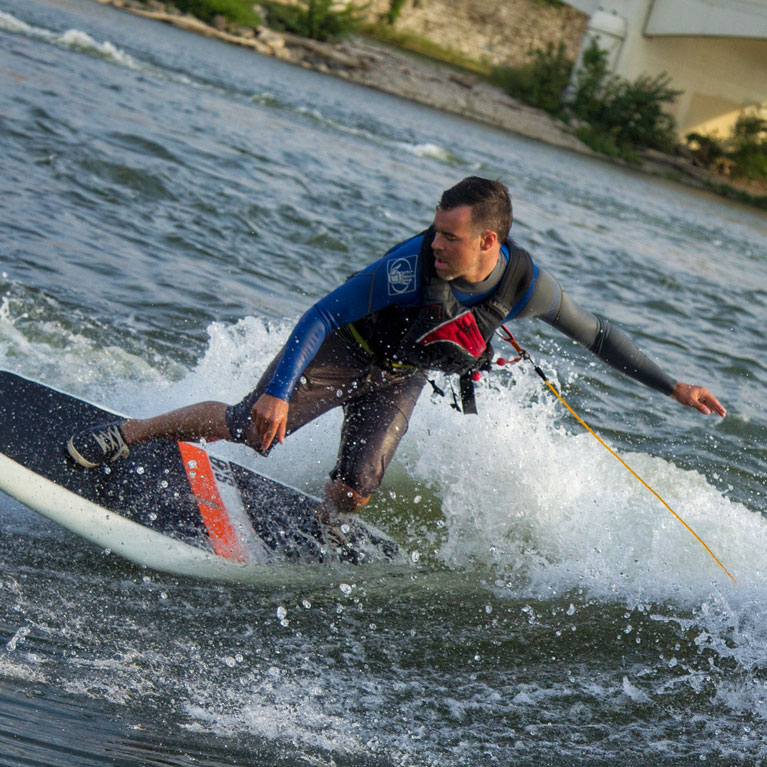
[
  {"x": 523, "y": 489},
  {"x": 528, "y": 504},
  {"x": 73, "y": 39},
  {"x": 537, "y": 495},
  {"x": 554, "y": 612}
]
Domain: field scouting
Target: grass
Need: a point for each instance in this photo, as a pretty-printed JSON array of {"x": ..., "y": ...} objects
[
  {"x": 422, "y": 46},
  {"x": 235, "y": 11}
]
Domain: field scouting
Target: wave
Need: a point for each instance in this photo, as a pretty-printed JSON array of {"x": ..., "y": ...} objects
[
  {"x": 82, "y": 42},
  {"x": 373, "y": 133},
  {"x": 521, "y": 490},
  {"x": 547, "y": 506},
  {"x": 72, "y": 39},
  {"x": 517, "y": 508}
]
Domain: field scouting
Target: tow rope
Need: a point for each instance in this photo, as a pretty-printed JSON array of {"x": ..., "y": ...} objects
[{"x": 524, "y": 355}]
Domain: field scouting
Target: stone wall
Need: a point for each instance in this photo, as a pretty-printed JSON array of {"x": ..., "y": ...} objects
[{"x": 502, "y": 32}]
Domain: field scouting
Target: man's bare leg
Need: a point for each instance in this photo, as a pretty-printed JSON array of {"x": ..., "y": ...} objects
[
  {"x": 205, "y": 420},
  {"x": 107, "y": 443}
]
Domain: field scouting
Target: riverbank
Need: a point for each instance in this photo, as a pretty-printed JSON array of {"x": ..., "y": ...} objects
[{"x": 376, "y": 65}]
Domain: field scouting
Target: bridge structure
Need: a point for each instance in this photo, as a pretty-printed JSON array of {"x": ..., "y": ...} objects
[{"x": 715, "y": 52}]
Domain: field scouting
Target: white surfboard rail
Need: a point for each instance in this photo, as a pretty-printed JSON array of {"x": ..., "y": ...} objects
[{"x": 110, "y": 530}]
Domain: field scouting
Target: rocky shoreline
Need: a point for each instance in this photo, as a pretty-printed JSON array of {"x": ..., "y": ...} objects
[{"x": 384, "y": 68}]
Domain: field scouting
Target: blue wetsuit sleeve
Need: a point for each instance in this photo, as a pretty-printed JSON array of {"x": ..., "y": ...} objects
[
  {"x": 550, "y": 303},
  {"x": 392, "y": 280}
]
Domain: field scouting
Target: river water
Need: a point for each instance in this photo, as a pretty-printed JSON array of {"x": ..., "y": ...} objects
[{"x": 170, "y": 205}]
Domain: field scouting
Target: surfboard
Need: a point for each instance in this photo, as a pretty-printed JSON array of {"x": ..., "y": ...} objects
[{"x": 171, "y": 506}]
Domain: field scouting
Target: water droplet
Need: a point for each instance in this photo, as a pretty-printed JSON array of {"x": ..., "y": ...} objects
[
  {"x": 152, "y": 516},
  {"x": 415, "y": 555},
  {"x": 345, "y": 588},
  {"x": 191, "y": 464},
  {"x": 281, "y": 612},
  {"x": 417, "y": 499},
  {"x": 140, "y": 469},
  {"x": 163, "y": 595},
  {"x": 164, "y": 483},
  {"x": 307, "y": 604},
  {"x": 488, "y": 609},
  {"x": 230, "y": 661}
]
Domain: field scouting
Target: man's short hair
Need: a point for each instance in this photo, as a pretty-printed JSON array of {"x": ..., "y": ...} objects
[{"x": 489, "y": 200}]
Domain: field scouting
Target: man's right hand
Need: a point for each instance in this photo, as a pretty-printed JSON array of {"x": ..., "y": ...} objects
[
  {"x": 270, "y": 417},
  {"x": 698, "y": 397}
]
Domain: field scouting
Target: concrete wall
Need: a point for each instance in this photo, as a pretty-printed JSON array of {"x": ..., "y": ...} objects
[
  {"x": 498, "y": 31},
  {"x": 708, "y": 18},
  {"x": 720, "y": 76}
]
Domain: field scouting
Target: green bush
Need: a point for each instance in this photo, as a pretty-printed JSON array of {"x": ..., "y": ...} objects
[
  {"x": 316, "y": 19},
  {"x": 236, "y": 11},
  {"x": 605, "y": 143},
  {"x": 395, "y": 8},
  {"x": 743, "y": 155},
  {"x": 749, "y": 148},
  {"x": 542, "y": 81},
  {"x": 706, "y": 149},
  {"x": 590, "y": 79},
  {"x": 631, "y": 112}
]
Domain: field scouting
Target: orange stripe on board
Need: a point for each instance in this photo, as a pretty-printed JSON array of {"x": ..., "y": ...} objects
[{"x": 200, "y": 474}]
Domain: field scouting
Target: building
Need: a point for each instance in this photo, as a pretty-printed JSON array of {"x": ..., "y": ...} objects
[{"x": 715, "y": 52}]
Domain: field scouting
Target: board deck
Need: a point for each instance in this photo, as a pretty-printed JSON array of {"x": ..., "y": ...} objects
[{"x": 171, "y": 506}]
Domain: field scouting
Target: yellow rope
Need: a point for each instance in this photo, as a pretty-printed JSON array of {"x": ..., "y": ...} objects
[{"x": 615, "y": 455}]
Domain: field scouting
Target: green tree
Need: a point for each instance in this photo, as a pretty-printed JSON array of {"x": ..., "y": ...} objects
[
  {"x": 631, "y": 113},
  {"x": 542, "y": 81},
  {"x": 317, "y": 19},
  {"x": 749, "y": 148}
]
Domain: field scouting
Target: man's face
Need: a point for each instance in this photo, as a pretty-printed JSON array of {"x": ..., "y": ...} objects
[{"x": 459, "y": 250}]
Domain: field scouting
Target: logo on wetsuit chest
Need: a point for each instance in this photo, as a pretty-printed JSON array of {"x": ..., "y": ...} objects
[{"x": 401, "y": 275}]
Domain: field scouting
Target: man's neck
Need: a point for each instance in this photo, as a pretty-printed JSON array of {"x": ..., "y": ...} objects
[{"x": 488, "y": 283}]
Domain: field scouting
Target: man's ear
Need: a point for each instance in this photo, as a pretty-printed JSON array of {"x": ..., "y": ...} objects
[{"x": 488, "y": 239}]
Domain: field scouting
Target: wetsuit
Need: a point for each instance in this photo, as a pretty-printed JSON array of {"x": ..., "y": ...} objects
[{"x": 322, "y": 366}]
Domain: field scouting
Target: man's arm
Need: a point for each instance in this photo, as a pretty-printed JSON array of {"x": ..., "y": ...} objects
[
  {"x": 366, "y": 292},
  {"x": 612, "y": 345}
]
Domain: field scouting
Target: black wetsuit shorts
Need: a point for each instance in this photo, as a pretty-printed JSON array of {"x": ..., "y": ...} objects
[{"x": 377, "y": 406}]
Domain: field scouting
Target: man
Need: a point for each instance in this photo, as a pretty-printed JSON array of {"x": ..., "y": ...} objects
[{"x": 433, "y": 302}]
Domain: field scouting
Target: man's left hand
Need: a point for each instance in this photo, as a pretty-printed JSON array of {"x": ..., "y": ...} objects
[{"x": 698, "y": 397}]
